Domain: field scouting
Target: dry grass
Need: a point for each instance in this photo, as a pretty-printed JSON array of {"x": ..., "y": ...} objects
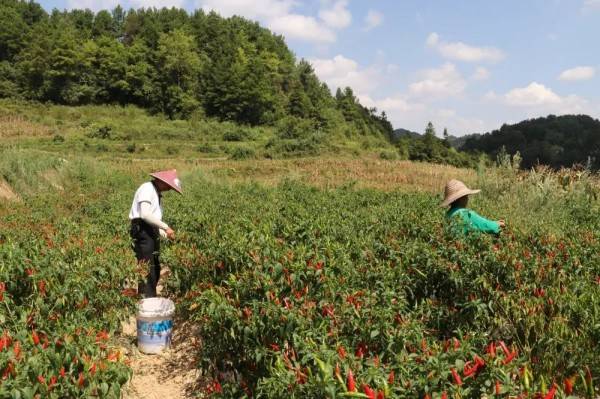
[
  {"x": 17, "y": 126},
  {"x": 7, "y": 193},
  {"x": 319, "y": 172},
  {"x": 329, "y": 173}
]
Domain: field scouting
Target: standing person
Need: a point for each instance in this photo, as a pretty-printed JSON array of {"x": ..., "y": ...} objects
[
  {"x": 456, "y": 196},
  {"x": 147, "y": 226}
]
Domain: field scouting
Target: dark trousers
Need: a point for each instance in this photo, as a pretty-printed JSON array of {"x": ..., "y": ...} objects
[{"x": 146, "y": 246}]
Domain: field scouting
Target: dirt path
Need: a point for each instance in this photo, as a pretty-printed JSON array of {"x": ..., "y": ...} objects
[{"x": 173, "y": 374}]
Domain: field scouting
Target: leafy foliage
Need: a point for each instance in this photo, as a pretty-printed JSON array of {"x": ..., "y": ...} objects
[
  {"x": 555, "y": 141},
  {"x": 429, "y": 148},
  {"x": 169, "y": 62},
  {"x": 315, "y": 285}
]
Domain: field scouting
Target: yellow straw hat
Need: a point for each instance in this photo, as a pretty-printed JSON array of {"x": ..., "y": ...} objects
[{"x": 454, "y": 190}]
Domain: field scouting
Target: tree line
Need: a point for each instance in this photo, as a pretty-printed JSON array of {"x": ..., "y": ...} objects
[
  {"x": 172, "y": 62},
  {"x": 556, "y": 141}
]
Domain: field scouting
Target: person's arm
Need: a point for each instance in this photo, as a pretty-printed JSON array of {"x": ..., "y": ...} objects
[
  {"x": 147, "y": 216},
  {"x": 482, "y": 224}
]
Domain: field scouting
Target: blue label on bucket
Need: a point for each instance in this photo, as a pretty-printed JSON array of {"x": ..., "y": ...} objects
[
  {"x": 154, "y": 327},
  {"x": 154, "y": 333}
]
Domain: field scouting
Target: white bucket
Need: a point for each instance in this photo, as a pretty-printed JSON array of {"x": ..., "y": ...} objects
[{"x": 155, "y": 324}]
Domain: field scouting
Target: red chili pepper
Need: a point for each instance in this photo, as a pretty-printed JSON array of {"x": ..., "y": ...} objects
[
  {"x": 361, "y": 349},
  {"x": 391, "y": 377},
  {"x": 456, "y": 343},
  {"x": 479, "y": 362},
  {"x": 504, "y": 348},
  {"x": 426, "y": 396},
  {"x": 62, "y": 372},
  {"x": 35, "y": 338},
  {"x": 368, "y": 391},
  {"x": 80, "y": 380},
  {"x": 510, "y": 357},
  {"x": 469, "y": 369},
  {"x": 4, "y": 341},
  {"x": 456, "y": 377},
  {"x": 17, "y": 349},
  {"x": 446, "y": 345},
  {"x": 551, "y": 392},
  {"x": 491, "y": 349},
  {"x": 41, "y": 379},
  {"x": 380, "y": 395},
  {"x": 444, "y": 395},
  {"x": 498, "y": 387},
  {"x": 52, "y": 382},
  {"x": 341, "y": 351},
  {"x": 569, "y": 385},
  {"x": 350, "y": 383}
]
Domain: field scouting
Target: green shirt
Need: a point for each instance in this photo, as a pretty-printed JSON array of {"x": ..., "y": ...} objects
[{"x": 471, "y": 221}]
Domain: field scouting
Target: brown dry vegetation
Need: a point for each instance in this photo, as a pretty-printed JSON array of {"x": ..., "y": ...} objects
[
  {"x": 319, "y": 172},
  {"x": 12, "y": 126}
]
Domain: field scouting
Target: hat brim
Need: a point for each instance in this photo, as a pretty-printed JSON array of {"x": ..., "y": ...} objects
[
  {"x": 451, "y": 198},
  {"x": 167, "y": 183}
]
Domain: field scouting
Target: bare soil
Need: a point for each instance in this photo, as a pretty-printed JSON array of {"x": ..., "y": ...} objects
[{"x": 172, "y": 374}]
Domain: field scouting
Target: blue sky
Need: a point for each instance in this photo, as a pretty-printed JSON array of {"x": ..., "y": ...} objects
[{"x": 466, "y": 65}]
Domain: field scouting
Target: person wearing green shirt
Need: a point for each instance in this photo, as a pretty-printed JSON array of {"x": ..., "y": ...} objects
[{"x": 456, "y": 196}]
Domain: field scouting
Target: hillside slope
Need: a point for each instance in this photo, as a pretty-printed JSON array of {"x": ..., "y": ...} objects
[
  {"x": 554, "y": 140},
  {"x": 178, "y": 64}
]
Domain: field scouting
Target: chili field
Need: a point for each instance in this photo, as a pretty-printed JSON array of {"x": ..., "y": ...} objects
[{"x": 305, "y": 292}]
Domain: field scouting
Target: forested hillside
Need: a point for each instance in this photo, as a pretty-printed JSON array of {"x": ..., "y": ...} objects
[
  {"x": 554, "y": 140},
  {"x": 174, "y": 63}
]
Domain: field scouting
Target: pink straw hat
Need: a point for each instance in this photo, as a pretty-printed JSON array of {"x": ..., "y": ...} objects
[
  {"x": 169, "y": 177},
  {"x": 454, "y": 190}
]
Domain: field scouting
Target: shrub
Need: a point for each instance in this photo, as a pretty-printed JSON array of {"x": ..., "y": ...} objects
[
  {"x": 242, "y": 153},
  {"x": 206, "y": 148},
  {"x": 388, "y": 155},
  {"x": 102, "y": 132},
  {"x": 292, "y": 127},
  {"x": 172, "y": 150}
]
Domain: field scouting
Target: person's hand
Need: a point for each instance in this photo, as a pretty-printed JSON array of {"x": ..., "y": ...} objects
[
  {"x": 501, "y": 222},
  {"x": 170, "y": 234}
]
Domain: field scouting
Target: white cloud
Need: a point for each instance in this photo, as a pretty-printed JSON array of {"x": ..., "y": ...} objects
[
  {"x": 490, "y": 96},
  {"x": 540, "y": 100},
  {"x": 463, "y": 52},
  {"x": 337, "y": 16},
  {"x": 157, "y": 3},
  {"x": 340, "y": 71},
  {"x": 591, "y": 4},
  {"x": 532, "y": 95},
  {"x": 437, "y": 83},
  {"x": 278, "y": 15},
  {"x": 251, "y": 9},
  {"x": 578, "y": 73},
  {"x": 297, "y": 26},
  {"x": 481, "y": 73},
  {"x": 373, "y": 19},
  {"x": 409, "y": 114},
  {"x": 432, "y": 40},
  {"x": 94, "y": 5}
]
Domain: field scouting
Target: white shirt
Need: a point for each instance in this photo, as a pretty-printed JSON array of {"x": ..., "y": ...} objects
[{"x": 146, "y": 206}]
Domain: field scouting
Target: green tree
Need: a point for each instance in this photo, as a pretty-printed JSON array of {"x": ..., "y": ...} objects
[
  {"x": 178, "y": 67},
  {"x": 13, "y": 33}
]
